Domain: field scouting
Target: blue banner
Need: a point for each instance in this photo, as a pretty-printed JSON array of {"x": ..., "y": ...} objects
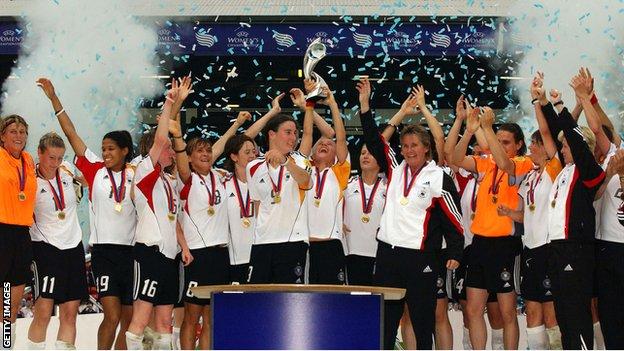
[{"x": 218, "y": 39}]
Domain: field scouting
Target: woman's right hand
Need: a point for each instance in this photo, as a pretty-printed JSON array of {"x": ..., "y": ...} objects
[{"x": 46, "y": 85}]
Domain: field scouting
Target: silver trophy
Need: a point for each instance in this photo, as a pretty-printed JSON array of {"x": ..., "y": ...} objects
[{"x": 315, "y": 53}]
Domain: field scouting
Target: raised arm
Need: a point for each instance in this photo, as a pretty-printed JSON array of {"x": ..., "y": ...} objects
[
  {"x": 298, "y": 99},
  {"x": 432, "y": 123},
  {"x": 584, "y": 92},
  {"x": 67, "y": 126},
  {"x": 161, "y": 138},
  {"x": 217, "y": 147},
  {"x": 341, "y": 135},
  {"x": 537, "y": 92},
  {"x": 184, "y": 86},
  {"x": 179, "y": 146},
  {"x": 258, "y": 125},
  {"x": 453, "y": 135},
  {"x": 500, "y": 156},
  {"x": 305, "y": 147},
  {"x": 459, "y": 157},
  {"x": 409, "y": 107}
]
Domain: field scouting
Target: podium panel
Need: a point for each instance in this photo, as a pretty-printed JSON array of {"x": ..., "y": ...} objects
[{"x": 296, "y": 320}]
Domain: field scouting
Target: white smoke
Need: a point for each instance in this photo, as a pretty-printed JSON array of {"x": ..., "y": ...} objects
[
  {"x": 95, "y": 54},
  {"x": 559, "y": 36}
]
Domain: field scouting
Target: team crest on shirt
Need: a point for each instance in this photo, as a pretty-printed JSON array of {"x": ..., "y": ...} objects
[
  {"x": 619, "y": 194},
  {"x": 440, "y": 282},
  {"x": 298, "y": 270},
  {"x": 546, "y": 283},
  {"x": 341, "y": 276},
  {"x": 505, "y": 276}
]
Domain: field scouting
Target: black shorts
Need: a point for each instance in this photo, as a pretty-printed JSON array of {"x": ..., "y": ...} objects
[
  {"x": 60, "y": 275},
  {"x": 112, "y": 267},
  {"x": 492, "y": 265},
  {"x": 239, "y": 273},
  {"x": 15, "y": 254},
  {"x": 444, "y": 279},
  {"x": 279, "y": 263},
  {"x": 178, "y": 259},
  {"x": 360, "y": 270},
  {"x": 155, "y": 276},
  {"x": 327, "y": 263},
  {"x": 459, "y": 279},
  {"x": 210, "y": 266},
  {"x": 535, "y": 284}
]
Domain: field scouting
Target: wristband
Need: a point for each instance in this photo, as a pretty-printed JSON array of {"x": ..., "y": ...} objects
[
  {"x": 59, "y": 112},
  {"x": 594, "y": 99},
  {"x": 534, "y": 101},
  {"x": 392, "y": 125},
  {"x": 177, "y": 137},
  {"x": 560, "y": 102},
  {"x": 310, "y": 103},
  {"x": 179, "y": 151}
]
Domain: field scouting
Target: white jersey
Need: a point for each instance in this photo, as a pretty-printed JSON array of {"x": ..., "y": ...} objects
[
  {"x": 202, "y": 229},
  {"x": 408, "y": 222},
  {"x": 157, "y": 202},
  {"x": 242, "y": 221},
  {"x": 362, "y": 240},
  {"x": 535, "y": 191},
  {"x": 107, "y": 224},
  {"x": 468, "y": 203},
  {"x": 609, "y": 228},
  {"x": 53, "y": 225},
  {"x": 280, "y": 221},
  {"x": 325, "y": 200}
]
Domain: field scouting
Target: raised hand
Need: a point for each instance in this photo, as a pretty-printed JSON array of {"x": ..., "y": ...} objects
[
  {"x": 537, "y": 86},
  {"x": 410, "y": 105},
  {"x": 581, "y": 86},
  {"x": 185, "y": 88},
  {"x": 472, "y": 123},
  {"x": 329, "y": 100},
  {"x": 309, "y": 85},
  {"x": 460, "y": 108},
  {"x": 297, "y": 97},
  {"x": 46, "y": 85},
  {"x": 487, "y": 118},
  {"x": 242, "y": 117},
  {"x": 364, "y": 88},
  {"x": 555, "y": 96},
  {"x": 419, "y": 92},
  {"x": 275, "y": 103},
  {"x": 616, "y": 164},
  {"x": 584, "y": 72}
]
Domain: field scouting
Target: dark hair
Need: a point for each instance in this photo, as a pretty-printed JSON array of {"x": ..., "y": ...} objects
[
  {"x": 196, "y": 143},
  {"x": 123, "y": 139},
  {"x": 146, "y": 142},
  {"x": 274, "y": 124},
  {"x": 515, "y": 129},
  {"x": 421, "y": 133},
  {"x": 233, "y": 146},
  {"x": 50, "y": 140},
  {"x": 537, "y": 137}
]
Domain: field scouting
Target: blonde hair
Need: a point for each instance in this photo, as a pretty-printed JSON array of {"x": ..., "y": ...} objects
[
  {"x": 588, "y": 137},
  {"x": 8, "y": 120},
  {"x": 50, "y": 140}
]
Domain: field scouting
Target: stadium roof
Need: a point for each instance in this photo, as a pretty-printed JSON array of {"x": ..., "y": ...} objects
[{"x": 200, "y": 8}]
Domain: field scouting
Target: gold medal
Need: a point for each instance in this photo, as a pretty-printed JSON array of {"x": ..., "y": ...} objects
[
  {"x": 277, "y": 199},
  {"x": 365, "y": 218},
  {"x": 494, "y": 199},
  {"x": 472, "y": 216},
  {"x": 553, "y": 203},
  {"x": 532, "y": 207},
  {"x": 246, "y": 223},
  {"x": 211, "y": 211},
  {"x": 61, "y": 215},
  {"x": 171, "y": 216},
  {"x": 317, "y": 202},
  {"x": 404, "y": 201},
  {"x": 118, "y": 206},
  {"x": 21, "y": 196}
]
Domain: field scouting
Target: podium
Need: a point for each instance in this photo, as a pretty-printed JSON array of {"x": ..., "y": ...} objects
[{"x": 293, "y": 316}]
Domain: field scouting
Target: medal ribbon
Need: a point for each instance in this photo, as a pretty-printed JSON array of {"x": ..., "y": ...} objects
[
  {"x": 22, "y": 175},
  {"x": 59, "y": 198},
  {"x": 212, "y": 195},
  {"x": 243, "y": 204},
  {"x": 533, "y": 186},
  {"x": 408, "y": 187},
  {"x": 118, "y": 193},
  {"x": 320, "y": 183},
  {"x": 169, "y": 193},
  {"x": 473, "y": 197},
  {"x": 496, "y": 183},
  {"x": 367, "y": 204},
  {"x": 277, "y": 188}
]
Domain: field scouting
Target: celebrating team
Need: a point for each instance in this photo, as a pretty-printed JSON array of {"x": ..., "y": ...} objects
[{"x": 439, "y": 220}]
